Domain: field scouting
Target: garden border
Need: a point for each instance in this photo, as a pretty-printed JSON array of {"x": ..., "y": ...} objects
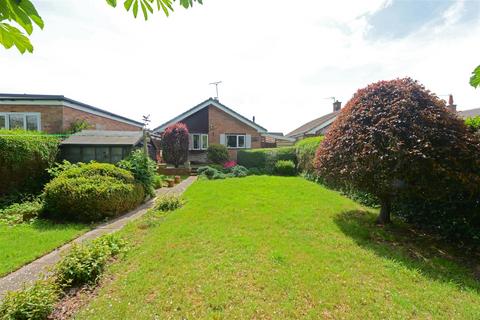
[{"x": 39, "y": 268}]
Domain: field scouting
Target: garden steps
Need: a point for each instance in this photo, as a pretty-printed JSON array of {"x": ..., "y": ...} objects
[{"x": 40, "y": 267}]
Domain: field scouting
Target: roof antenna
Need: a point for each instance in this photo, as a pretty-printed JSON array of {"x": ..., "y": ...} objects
[{"x": 216, "y": 87}]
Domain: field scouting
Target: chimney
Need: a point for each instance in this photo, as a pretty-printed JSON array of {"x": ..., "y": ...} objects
[
  {"x": 253, "y": 119},
  {"x": 452, "y": 107},
  {"x": 337, "y": 105}
]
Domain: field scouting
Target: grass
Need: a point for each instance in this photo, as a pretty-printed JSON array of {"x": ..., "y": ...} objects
[
  {"x": 23, "y": 243},
  {"x": 281, "y": 248}
]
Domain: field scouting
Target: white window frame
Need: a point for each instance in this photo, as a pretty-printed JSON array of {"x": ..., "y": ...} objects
[
  {"x": 24, "y": 114},
  {"x": 237, "y": 138},
  {"x": 201, "y": 138}
]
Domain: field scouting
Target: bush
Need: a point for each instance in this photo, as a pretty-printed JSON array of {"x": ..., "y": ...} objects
[
  {"x": 473, "y": 123},
  {"x": 169, "y": 203},
  {"x": 82, "y": 194},
  {"x": 83, "y": 264},
  {"x": 158, "y": 181},
  {"x": 395, "y": 139},
  {"x": 285, "y": 168},
  {"x": 217, "y": 153},
  {"x": 211, "y": 173},
  {"x": 24, "y": 158},
  {"x": 143, "y": 168},
  {"x": 265, "y": 159},
  {"x": 175, "y": 144},
  {"x": 59, "y": 167},
  {"x": 35, "y": 302},
  {"x": 305, "y": 151},
  {"x": 239, "y": 171},
  {"x": 21, "y": 212}
]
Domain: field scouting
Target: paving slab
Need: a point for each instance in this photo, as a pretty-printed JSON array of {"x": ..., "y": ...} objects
[{"x": 40, "y": 267}]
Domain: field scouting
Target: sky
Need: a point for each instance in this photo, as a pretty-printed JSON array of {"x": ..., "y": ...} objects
[{"x": 280, "y": 61}]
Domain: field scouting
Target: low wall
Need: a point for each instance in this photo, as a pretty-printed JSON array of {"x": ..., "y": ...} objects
[{"x": 167, "y": 171}]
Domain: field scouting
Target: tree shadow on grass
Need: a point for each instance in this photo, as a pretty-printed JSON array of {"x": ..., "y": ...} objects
[
  {"x": 414, "y": 249},
  {"x": 42, "y": 225}
]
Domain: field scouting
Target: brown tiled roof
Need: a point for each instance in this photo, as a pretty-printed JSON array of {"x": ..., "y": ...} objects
[
  {"x": 469, "y": 113},
  {"x": 313, "y": 124}
]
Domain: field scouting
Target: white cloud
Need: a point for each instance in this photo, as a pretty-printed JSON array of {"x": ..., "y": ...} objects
[{"x": 278, "y": 61}]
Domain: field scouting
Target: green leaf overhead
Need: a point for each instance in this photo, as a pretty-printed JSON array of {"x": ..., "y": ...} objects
[
  {"x": 24, "y": 15},
  {"x": 147, "y": 8},
  {"x": 475, "y": 79}
]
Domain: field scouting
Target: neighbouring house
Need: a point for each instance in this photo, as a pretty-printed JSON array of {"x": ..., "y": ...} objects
[
  {"x": 469, "y": 113},
  {"x": 55, "y": 114},
  {"x": 316, "y": 127},
  {"x": 211, "y": 122},
  {"x": 100, "y": 145}
]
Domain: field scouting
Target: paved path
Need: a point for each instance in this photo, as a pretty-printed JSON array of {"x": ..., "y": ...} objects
[{"x": 34, "y": 270}]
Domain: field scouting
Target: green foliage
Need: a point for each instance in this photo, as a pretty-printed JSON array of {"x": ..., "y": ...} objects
[
  {"x": 84, "y": 264},
  {"x": 217, "y": 153},
  {"x": 91, "y": 192},
  {"x": 169, "y": 203},
  {"x": 285, "y": 168},
  {"x": 143, "y": 168},
  {"x": 158, "y": 181},
  {"x": 24, "y": 14},
  {"x": 211, "y": 173},
  {"x": 33, "y": 303},
  {"x": 24, "y": 158},
  {"x": 473, "y": 123},
  {"x": 147, "y": 6},
  {"x": 60, "y": 167},
  {"x": 475, "y": 78},
  {"x": 238, "y": 171},
  {"x": 21, "y": 212},
  {"x": 265, "y": 159},
  {"x": 77, "y": 126},
  {"x": 305, "y": 151}
]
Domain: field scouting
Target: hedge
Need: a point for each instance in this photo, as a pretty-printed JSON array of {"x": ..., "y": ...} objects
[
  {"x": 24, "y": 158},
  {"x": 91, "y": 192},
  {"x": 305, "y": 151},
  {"x": 265, "y": 159}
]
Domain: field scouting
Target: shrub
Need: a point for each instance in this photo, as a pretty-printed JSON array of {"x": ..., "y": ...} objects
[
  {"x": 239, "y": 171},
  {"x": 217, "y": 153},
  {"x": 305, "y": 151},
  {"x": 93, "y": 169},
  {"x": 285, "y": 168},
  {"x": 395, "y": 138},
  {"x": 158, "y": 181},
  {"x": 143, "y": 168},
  {"x": 60, "y": 167},
  {"x": 35, "y": 302},
  {"x": 83, "y": 264},
  {"x": 265, "y": 159},
  {"x": 229, "y": 164},
  {"x": 21, "y": 212},
  {"x": 169, "y": 203},
  {"x": 24, "y": 158},
  {"x": 88, "y": 199},
  {"x": 473, "y": 123},
  {"x": 175, "y": 144},
  {"x": 211, "y": 173}
]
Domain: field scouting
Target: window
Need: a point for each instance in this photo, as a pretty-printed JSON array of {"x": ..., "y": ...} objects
[
  {"x": 18, "y": 120},
  {"x": 236, "y": 141},
  {"x": 199, "y": 141}
]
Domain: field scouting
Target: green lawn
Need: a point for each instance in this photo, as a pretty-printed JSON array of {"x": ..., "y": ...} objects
[
  {"x": 23, "y": 243},
  {"x": 280, "y": 248}
]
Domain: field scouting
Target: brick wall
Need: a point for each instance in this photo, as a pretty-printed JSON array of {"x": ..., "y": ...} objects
[
  {"x": 57, "y": 119},
  {"x": 50, "y": 118},
  {"x": 97, "y": 122},
  {"x": 220, "y": 123}
]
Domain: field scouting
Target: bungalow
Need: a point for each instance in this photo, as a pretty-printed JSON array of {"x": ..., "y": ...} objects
[
  {"x": 211, "y": 122},
  {"x": 55, "y": 114},
  {"x": 318, "y": 126}
]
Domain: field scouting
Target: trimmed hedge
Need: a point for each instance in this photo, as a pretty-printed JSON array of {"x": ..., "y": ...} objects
[
  {"x": 265, "y": 159},
  {"x": 24, "y": 158},
  {"x": 217, "y": 153},
  {"x": 305, "y": 151},
  {"x": 285, "y": 168},
  {"x": 91, "y": 192}
]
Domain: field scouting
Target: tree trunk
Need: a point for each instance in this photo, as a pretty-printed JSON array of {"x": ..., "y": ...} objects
[{"x": 384, "y": 216}]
